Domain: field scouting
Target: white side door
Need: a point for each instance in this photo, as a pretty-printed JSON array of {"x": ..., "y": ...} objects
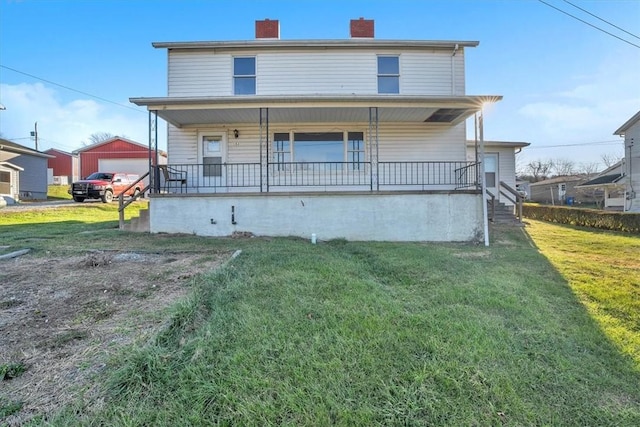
[
  {"x": 213, "y": 147},
  {"x": 491, "y": 176}
]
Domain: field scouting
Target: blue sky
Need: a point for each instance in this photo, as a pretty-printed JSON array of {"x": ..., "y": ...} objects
[{"x": 567, "y": 87}]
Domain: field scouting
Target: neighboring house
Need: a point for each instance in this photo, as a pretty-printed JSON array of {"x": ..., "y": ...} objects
[
  {"x": 64, "y": 166},
  {"x": 607, "y": 187},
  {"x": 631, "y": 132},
  {"x": 23, "y": 172},
  {"x": 115, "y": 155},
  {"x": 559, "y": 190},
  {"x": 361, "y": 139},
  {"x": 500, "y": 166}
]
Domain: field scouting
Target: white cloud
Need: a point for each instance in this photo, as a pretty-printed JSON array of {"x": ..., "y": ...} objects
[
  {"x": 63, "y": 125},
  {"x": 589, "y": 111}
]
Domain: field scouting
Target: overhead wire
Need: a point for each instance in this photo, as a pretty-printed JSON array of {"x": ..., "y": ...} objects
[
  {"x": 601, "y": 19},
  {"x": 74, "y": 90},
  {"x": 589, "y": 24}
]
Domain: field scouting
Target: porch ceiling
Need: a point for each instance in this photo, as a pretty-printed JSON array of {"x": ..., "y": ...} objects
[{"x": 220, "y": 110}]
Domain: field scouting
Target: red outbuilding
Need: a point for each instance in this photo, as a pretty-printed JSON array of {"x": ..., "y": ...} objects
[
  {"x": 64, "y": 166},
  {"x": 114, "y": 155}
]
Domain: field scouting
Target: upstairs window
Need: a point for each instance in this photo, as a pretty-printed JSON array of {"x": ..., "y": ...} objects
[
  {"x": 388, "y": 74},
  {"x": 244, "y": 75}
]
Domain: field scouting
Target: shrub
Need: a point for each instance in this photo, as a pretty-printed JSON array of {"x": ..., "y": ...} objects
[{"x": 617, "y": 221}]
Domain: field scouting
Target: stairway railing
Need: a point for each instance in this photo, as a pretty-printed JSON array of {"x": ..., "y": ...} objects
[{"x": 122, "y": 205}]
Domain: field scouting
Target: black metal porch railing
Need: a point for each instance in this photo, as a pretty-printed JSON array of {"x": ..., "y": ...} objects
[
  {"x": 320, "y": 174},
  {"x": 427, "y": 174},
  {"x": 326, "y": 176}
]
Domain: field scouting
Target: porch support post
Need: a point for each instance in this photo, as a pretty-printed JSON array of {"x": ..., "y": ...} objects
[
  {"x": 374, "y": 147},
  {"x": 154, "y": 177},
  {"x": 485, "y": 217},
  {"x": 264, "y": 150}
]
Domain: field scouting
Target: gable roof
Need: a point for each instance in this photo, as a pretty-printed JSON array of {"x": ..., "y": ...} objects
[
  {"x": 279, "y": 44},
  {"x": 604, "y": 179},
  {"x": 109, "y": 141},
  {"x": 55, "y": 150},
  {"x": 558, "y": 179},
  {"x": 514, "y": 144},
  {"x": 612, "y": 176},
  {"x": 6, "y": 145},
  {"x": 622, "y": 129}
]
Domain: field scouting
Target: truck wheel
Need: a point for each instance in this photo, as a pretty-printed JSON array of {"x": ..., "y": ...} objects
[
  {"x": 108, "y": 196},
  {"x": 78, "y": 199}
]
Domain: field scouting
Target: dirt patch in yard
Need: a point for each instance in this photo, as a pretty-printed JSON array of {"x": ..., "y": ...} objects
[{"x": 61, "y": 318}]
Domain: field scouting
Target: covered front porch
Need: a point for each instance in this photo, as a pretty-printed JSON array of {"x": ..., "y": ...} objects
[{"x": 361, "y": 168}]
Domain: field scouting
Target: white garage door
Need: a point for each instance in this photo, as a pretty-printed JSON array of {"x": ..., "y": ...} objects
[{"x": 137, "y": 166}]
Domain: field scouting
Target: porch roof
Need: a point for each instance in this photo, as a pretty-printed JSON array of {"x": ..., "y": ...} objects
[{"x": 184, "y": 111}]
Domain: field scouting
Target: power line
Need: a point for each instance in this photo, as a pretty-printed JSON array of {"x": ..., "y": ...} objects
[
  {"x": 603, "y": 20},
  {"x": 589, "y": 24},
  {"x": 579, "y": 144},
  {"x": 73, "y": 90}
]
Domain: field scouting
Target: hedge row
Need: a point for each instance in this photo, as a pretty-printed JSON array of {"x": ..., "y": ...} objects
[{"x": 618, "y": 221}]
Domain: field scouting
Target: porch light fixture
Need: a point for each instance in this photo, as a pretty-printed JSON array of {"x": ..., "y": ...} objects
[{"x": 236, "y": 133}]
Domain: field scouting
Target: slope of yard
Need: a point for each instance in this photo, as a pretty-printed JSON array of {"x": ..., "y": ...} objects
[
  {"x": 347, "y": 333},
  {"x": 603, "y": 270}
]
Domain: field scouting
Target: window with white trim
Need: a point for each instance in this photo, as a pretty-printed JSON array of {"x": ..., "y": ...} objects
[
  {"x": 244, "y": 75},
  {"x": 281, "y": 150},
  {"x": 388, "y": 74},
  {"x": 335, "y": 148}
]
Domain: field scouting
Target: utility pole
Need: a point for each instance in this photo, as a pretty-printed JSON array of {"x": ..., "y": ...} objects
[{"x": 35, "y": 135}]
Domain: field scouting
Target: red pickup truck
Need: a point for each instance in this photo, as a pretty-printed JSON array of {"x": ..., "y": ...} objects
[{"x": 104, "y": 186}]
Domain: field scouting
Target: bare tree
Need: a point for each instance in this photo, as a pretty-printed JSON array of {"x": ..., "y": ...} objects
[
  {"x": 588, "y": 168},
  {"x": 97, "y": 137},
  {"x": 563, "y": 167},
  {"x": 610, "y": 159},
  {"x": 539, "y": 169}
]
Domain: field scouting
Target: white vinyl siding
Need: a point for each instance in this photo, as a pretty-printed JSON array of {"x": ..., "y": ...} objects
[
  {"x": 330, "y": 72},
  {"x": 632, "y": 164},
  {"x": 397, "y": 142},
  {"x": 200, "y": 73},
  {"x": 294, "y": 73},
  {"x": 432, "y": 74}
]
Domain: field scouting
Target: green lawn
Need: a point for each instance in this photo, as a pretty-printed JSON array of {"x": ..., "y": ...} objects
[
  {"x": 603, "y": 270},
  {"x": 58, "y": 192},
  {"x": 348, "y": 333}
]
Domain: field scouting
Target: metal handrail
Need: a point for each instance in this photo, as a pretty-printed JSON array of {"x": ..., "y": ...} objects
[
  {"x": 354, "y": 175},
  {"x": 519, "y": 199},
  {"x": 122, "y": 205}
]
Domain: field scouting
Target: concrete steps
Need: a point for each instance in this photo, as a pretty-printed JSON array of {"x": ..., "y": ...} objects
[
  {"x": 139, "y": 224},
  {"x": 503, "y": 214}
]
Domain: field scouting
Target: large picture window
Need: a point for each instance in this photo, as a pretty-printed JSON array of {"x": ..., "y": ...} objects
[
  {"x": 333, "y": 149},
  {"x": 244, "y": 75},
  {"x": 388, "y": 74}
]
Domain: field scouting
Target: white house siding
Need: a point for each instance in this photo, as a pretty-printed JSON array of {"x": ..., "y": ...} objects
[
  {"x": 443, "y": 216},
  {"x": 398, "y": 142},
  {"x": 431, "y": 73},
  {"x": 506, "y": 166},
  {"x": 199, "y": 73},
  {"x": 334, "y": 71},
  {"x": 632, "y": 156}
]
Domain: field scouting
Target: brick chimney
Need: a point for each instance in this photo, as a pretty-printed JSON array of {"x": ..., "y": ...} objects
[
  {"x": 268, "y": 29},
  {"x": 362, "y": 28}
]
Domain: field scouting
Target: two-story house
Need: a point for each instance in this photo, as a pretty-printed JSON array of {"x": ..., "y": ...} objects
[
  {"x": 362, "y": 139},
  {"x": 630, "y": 130}
]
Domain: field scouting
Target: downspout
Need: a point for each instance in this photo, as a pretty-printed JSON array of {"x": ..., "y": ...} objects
[
  {"x": 632, "y": 193},
  {"x": 453, "y": 70},
  {"x": 485, "y": 214}
]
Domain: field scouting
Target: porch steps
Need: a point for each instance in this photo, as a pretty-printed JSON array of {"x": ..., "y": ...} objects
[
  {"x": 503, "y": 214},
  {"x": 139, "y": 224}
]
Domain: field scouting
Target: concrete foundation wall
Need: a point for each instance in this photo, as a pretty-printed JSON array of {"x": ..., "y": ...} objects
[{"x": 437, "y": 216}]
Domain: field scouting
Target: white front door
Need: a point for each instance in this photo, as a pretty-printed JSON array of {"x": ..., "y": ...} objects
[
  {"x": 212, "y": 172},
  {"x": 491, "y": 173}
]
